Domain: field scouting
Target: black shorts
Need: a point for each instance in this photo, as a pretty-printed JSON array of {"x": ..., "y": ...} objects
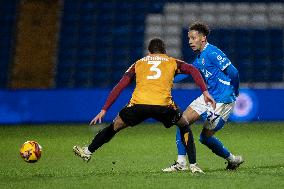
[{"x": 135, "y": 114}]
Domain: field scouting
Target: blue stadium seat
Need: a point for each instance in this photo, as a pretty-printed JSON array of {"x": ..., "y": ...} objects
[
  {"x": 63, "y": 79},
  {"x": 86, "y": 53},
  {"x": 104, "y": 32},
  {"x": 260, "y": 53},
  {"x": 277, "y": 69},
  {"x": 88, "y": 20},
  {"x": 66, "y": 32},
  {"x": 243, "y": 53},
  {"x": 276, "y": 53},
  {"x": 71, "y": 5},
  {"x": 102, "y": 53},
  {"x": 140, "y": 6},
  {"x": 243, "y": 35},
  {"x": 245, "y": 67},
  {"x": 106, "y": 5},
  {"x": 124, "y": 6},
  {"x": 7, "y": 29},
  {"x": 81, "y": 79},
  {"x": 71, "y": 18},
  {"x": 276, "y": 32},
  {"x": 105, "y": 19},
  {"x": 5, "y": 39},
  {"x": 89, "y": 6},
  {"x": 67, "y": 65},
  {"x": 155, "y": 7},
  {"x": 138, "y": 19}
]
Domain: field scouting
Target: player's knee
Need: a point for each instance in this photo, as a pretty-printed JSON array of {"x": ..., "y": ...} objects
[
  {"x": 118, "y": 124},
  {"x": 207, "y": 132},
  {"x": 182, "y": 122}
]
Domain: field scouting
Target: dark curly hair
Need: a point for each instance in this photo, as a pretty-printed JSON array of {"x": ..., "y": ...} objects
[
  {"x": 157, "y": 45},
  {"x": 201, "y": 28}
]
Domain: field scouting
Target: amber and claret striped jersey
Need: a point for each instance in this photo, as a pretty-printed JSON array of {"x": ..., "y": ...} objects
[
  {"x": 154, "y": 80},
  {"x": 154, "y": 76}
]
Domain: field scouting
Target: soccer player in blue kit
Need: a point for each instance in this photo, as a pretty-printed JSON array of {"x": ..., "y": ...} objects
[{"x": 222, "y": 79}]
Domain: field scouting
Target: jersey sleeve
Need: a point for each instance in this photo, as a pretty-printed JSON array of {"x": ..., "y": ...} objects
[
  {"x": 130, "y": 72},
  {"x": 233, "y": 73},
  {"x": 218, "y": 58}
]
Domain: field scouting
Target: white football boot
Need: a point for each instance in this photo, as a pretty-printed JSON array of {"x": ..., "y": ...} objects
[
  {"x": 175, "y": 167},
  {"x": 195, "y": 169},
  {"x": 235, "y": 162},
  {"x": 81, "y": 152}
]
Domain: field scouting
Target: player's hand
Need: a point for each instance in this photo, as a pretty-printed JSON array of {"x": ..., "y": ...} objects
[
  {"x": 98, "y": 117},
  {"x": 209, "y": 99}
]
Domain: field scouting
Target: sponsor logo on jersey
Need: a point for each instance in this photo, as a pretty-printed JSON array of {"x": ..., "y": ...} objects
[{"x": 203, "y": 61}]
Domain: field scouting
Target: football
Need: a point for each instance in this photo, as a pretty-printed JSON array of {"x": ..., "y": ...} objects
[{"x": 31, "y": 151}]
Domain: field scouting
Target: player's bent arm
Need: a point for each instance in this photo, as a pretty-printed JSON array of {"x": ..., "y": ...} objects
[{"x": 233, "y": 73}]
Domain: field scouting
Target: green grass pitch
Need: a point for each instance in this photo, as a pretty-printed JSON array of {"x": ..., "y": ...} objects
[{"x": 135, "y": 157}]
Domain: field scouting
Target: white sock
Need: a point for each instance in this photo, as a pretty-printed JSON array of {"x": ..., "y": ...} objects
[
  {"x": 230, "y": 158},
  {"x": 181, "y": 159},
  {"x": 87, "y": 151}
]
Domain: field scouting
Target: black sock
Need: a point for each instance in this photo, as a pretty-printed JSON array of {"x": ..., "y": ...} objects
[
  {"x": 189, "y": 143},
  {"x": 102, "y": 137}
]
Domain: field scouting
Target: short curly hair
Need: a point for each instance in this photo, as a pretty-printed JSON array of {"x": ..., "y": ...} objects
[
  {"x": 157, "y": 45},
  {"x": 200, "y": 27}
]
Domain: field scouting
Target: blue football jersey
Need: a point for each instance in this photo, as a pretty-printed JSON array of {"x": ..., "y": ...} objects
[{"x": 211, "y": 62}]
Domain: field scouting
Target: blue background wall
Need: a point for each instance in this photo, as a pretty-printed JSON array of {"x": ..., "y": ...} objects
[
  {"x": 98, "y": 40},
  {"x": 38, "y": 106}
]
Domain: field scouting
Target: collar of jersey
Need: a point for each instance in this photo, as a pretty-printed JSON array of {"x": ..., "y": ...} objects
[
  {"x": 206, "y": 45},
  {"x": 157, "y": 54}
]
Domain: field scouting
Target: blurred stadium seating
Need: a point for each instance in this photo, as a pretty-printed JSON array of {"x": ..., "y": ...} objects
[
  {"x": 99, "y": 40},
  {"x": 251, "y": 34}
]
